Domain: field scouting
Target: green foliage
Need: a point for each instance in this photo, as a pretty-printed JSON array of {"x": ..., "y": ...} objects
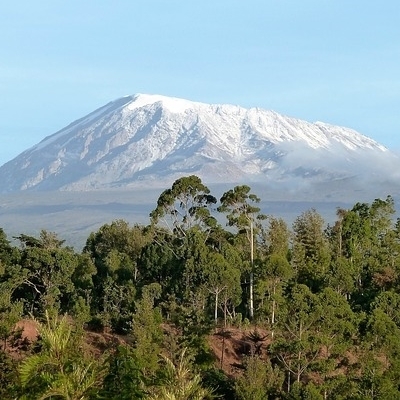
[
  {"x": 110, "y": 288},
  {"x": 327, "y": 296},
  {"x": 10, "y": 312},
  {"x": 58, "y": 370},
  {"x": 223, "y": 387},
  {"x": 8, "y": 254},
  {"x": 8, "y": 377},
  {"x": 177, "y": 381},
  {"x": 260, "y": 380},
  {"x": 370, "y": 246},
  {"x": 124, "y": 379},
  {"x": 274, "y": 272},
  {"x": 296, "y": 345},
  {"x": 238, "y": 204},
  {"x": 275, "y": 238},
  {"x": 304, "y": 392},
  {"x": 185, "y": 205},
  {"x": 310, "y": 254},
  {"x": 46, "y": 275},
  {"x": 146, "y": 330},
  {"x": 192, "y": 326}
]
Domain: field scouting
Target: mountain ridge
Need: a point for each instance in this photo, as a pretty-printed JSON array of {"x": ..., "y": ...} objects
[{"x": 150, "y": 140}]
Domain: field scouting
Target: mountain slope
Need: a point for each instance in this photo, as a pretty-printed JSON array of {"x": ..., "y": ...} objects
[{"x": 150, "y": 140}]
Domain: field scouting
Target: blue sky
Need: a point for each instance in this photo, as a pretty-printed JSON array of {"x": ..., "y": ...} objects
[{"x": 336, "y": 61}]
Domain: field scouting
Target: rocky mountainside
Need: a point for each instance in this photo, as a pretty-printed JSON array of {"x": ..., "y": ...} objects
[{"x": 150, "y": 140}]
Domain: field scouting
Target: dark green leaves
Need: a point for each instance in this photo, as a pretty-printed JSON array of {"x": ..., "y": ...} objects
[{"x": 185, "y": 205}]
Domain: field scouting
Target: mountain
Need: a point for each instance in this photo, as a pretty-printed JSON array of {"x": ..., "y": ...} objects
[{"x": 148, "y": 141}]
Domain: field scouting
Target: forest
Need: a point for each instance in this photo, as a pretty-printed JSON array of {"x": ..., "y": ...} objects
[{"x": 150, "y": 312}]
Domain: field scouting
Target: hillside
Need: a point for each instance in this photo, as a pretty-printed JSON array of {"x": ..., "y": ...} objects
[{"x": 229, "y": 346}]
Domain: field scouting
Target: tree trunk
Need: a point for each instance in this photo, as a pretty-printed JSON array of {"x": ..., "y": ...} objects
[
  {"x": 273, "y": 312},
  {"x": 273, "y": 319},
  {"x": 251, "y": 271},
  {"x": 225, "y": 312},
  {"x": 216, "y": 307},
  {"x": 223, "y": 349}
]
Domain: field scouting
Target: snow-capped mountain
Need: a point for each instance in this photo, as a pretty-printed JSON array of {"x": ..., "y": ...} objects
[{"x": 151, "y": 140}]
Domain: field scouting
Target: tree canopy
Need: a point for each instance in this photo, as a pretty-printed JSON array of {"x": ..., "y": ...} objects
[{"x": 316, "y": 304}]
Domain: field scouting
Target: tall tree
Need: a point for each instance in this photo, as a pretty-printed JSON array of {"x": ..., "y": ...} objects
[
  {"x": 47, "y": 269},
  {"x": 275, "y": 238},
  {"x": 146, "y": 330},
  {"x": 241, "y": 212},
  {"x": 161, "y": 263},
  {"x": 311, "y": 253},
  {"x": 275, "y": 272},
  {"x": 125, "y": 241},
  {"x": 383, "y": 330},
  {"x": 370, "y": 247},
  {"x": 221, "y": 278},
  {"x": 335, "y": 332},
  {"x": 232, "y": 296},
  {"x": 185, "y": 205},
  {"x": 115, "y": 250},
  {"x": 295, "y": 347},
  {"x": 341, "y": 273},
  {"x": 274, "y": 269}
]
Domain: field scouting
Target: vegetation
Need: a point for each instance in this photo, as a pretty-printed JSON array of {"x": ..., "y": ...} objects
[{"x": 148, "y": 312}]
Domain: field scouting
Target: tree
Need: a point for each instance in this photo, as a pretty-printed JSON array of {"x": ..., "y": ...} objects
[
  {"x": 82, "y": 278},
  {"x": 221, "y": 278},
  {"x": 125, "y": 242},
  {"x": 373, "y": 380},
  {"x": 275, "y": 272},
  {"x": 58, "y": 370},
  {"x": 162, "y": 264},
  {"x": 7, "y": 252},
  {"x": 275, "y": 239},
  {"x": 185, "y": 205},
  {"x": 296, "y": 345},
  {"x": 383, "y": 332},
  {"x": 385, "y": 254},
  {"x": 273, "y": 267},
  {"x": 124, "y": 379},
  {"x": 260, "y": 381},
  {"x": 370, "y": 248},
  {"x": 335, "y": 332},
  {"x": 178, "y": 382},
  {"x": 115, "y": 250},
  {"x": 8, "y": 377},
  {"x": 10, "y": 312},
  {"x": 311, "y": 254},
  {"x": 238, "y": 203},
  {"x": 232, "y": 295},
  {"x": 46, "y": 275},
  {"x": 146, "y": 330}
]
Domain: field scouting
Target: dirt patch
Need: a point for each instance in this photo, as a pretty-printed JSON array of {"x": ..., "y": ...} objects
[
  {"x": 25, "y": 333},
  {"x": 232, "y": 345},
  {"x": 29, "y": 329},
  {"x": 97, "y": 343}
]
